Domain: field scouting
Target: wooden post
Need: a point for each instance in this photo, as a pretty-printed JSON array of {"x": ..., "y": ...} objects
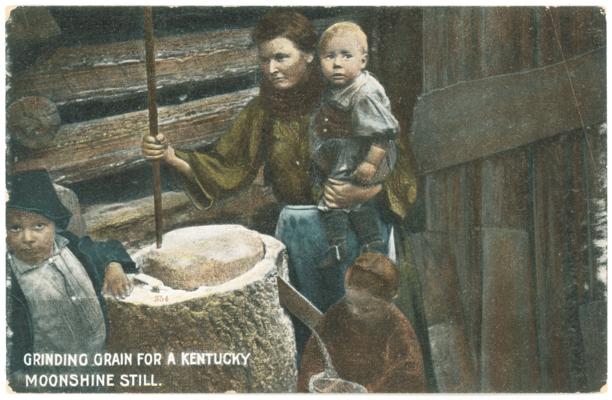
[{"x": 150, "y": 62}]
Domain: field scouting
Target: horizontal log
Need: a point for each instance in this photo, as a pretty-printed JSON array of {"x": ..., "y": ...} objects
[
  {"x": 472, "y": 120},
  {"x": 132, "y": 222},
  {"x": 106, "y": 146},
  {"x": 113, "y": 71}
]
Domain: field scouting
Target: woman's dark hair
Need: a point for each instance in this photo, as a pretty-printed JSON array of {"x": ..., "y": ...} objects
[{"x": 287, "y": 24}]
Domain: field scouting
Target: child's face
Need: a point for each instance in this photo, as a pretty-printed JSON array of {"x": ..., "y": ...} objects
[
  {"x": 29, "y": 236},
  {"x": 365, "y": 306},
  {"x": 342, "y": 59}
]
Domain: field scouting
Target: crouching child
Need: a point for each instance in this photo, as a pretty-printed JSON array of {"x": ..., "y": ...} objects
[
  {"x": 369, "y": 340},
  {"x": 55, "y": 280}
]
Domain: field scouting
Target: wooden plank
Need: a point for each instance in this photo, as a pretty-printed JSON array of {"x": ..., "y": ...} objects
[
  {"x": 453, "y": 363},
  {"x": 453, "y": 369},
  {"x": 436, "y": 202},
  {"x": 433, "y": 35},
  {"x": 593, "y": 325},
  {"x": 546, "y": 48},
  {"x": 577, "y": 215},
  {"x": 465, "y": 247},
  {"x": 453, "y": 203},
  {"x": 470, "y": 46},
  {"x": 551, "y": 263},
  {"x": 453, "y": 38},
  {"x": 113, "y": 71},
  {"x": 509, "y": 359},
  {"x": 116, "y": 70},
  {"x": 475, "y": 119},
  {"x": 594, "y": 150},
  {"x": 580, "y": 28},
  {"x": 132, "y": 222},
  {"x": 576, "y": 29},
  {"x": 470, "y": 43},
  {"x": 107, "y": 146},
  {"x": 498, "y": 35},
  {"x": 505, "y": 191},
  {"x": 442, "y": 199}
]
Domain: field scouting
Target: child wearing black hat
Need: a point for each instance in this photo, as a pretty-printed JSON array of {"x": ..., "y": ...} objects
[{"x": 56, "y": 280}]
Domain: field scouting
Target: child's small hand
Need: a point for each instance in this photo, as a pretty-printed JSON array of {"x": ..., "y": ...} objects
[
  {"x": 364, "y": 173},
  {"x": 116, "y": 282}
]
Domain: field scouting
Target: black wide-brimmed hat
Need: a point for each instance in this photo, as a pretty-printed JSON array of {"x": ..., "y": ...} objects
[{"x": 33, "y": 191}]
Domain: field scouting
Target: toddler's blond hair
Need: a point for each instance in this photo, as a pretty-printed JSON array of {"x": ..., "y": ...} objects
[{"x": 345, "y": 27}]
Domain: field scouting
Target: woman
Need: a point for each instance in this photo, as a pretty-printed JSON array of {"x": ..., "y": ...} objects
[{"x": 272, "y": 131}]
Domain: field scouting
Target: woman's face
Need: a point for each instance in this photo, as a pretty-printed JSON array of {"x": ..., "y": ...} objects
[{"x": 283, "y": 63}]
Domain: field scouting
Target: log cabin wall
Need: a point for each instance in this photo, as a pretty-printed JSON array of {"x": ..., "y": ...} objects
[
  {"x": 89, "y": 61},
  {"x": 509, "y": 134}
]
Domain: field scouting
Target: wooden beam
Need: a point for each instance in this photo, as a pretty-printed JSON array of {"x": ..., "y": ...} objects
[
  {"x": 132, "y": 222},
  {"x": 509, "y": 358},
  {"x": 454, "y": 366},
  {"x": 112, "y": 71},
  {"x": 472, "y": 120},
  {"x": 106, "y": 146},
  {"x": 116, "y": 70}
]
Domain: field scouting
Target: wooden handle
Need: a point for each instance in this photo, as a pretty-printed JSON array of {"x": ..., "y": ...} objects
[{"x": 153, "y": 127}]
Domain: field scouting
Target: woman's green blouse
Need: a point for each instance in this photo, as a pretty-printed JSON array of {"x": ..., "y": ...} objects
[{"x": 257, "y": 139}]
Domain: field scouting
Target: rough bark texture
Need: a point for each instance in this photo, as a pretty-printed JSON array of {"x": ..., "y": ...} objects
[
  {"x": 114, "y": 71},
  {"x": 213, "y": 257},
  {"x": 110, "y": 145},
  {"x": 74, "y": 74},
  {"x": 133, "y": 222},
  {"x": 242, "y": 315},
  {"x": 33, "y": 121}
]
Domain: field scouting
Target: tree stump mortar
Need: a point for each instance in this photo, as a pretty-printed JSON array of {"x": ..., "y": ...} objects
[{"x": 210, "y": 289}]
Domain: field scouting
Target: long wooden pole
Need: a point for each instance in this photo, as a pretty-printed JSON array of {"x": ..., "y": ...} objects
[{"x": 153, "y": 128}]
